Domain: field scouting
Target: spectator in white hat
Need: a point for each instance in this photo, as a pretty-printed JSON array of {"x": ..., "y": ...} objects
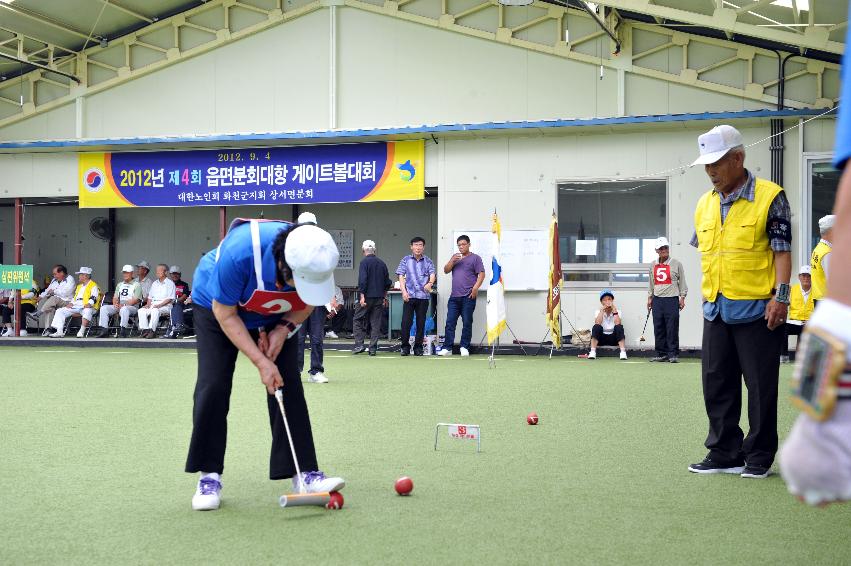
[
  {"x": 373, "y": 283},
  {"x": 666, "y": 297},
  {"x": 83, "y": 303},
  {"x": 743, "y": 232},
  {"x": 800, "y": 308},
  {"x": 125, "y": 301},
  {"x": 159, "y": 302},
  {"x": 144, "y": 279},
  {"x": 182, "y": 291},
  {"x": 820, "y": 260}
]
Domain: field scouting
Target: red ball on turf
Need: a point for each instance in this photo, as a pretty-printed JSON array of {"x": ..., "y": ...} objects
[
  {"x": 336, "y": 501},
  {"x": 404, "y": 485},
  {"x": 532, "y": 418}
]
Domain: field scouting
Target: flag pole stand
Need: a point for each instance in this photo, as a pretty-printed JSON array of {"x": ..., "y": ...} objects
[{"x": 549, "y": 330}]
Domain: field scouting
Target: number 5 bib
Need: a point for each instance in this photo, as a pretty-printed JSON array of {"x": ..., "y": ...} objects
[{"x": 662, "y": 274}]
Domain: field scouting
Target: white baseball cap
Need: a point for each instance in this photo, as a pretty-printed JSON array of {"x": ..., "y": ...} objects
[
  {"x": 174, "y": 269},
  {"x": 312, "y": 255},
  {"x": 144, "y": 264},
  {"x": 127, "y": 268},
  {"x": 306, "y": 217},
  {"x": 661, "y": 242},
  {"x": 715, "y": 144},
  {"x": 805, "y": 270},
  {"x": 368, "y": 244},
  {"x": 86, "y": 270},
  {"x": 826, "y": 222}
]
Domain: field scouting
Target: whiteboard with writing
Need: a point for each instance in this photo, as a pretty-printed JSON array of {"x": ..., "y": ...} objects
[{"x": 525, "y": 257}]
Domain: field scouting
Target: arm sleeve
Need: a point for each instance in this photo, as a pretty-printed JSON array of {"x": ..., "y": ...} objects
[
  {"x": 402, "y": 269},
  {"x": 230, "y": 278},
  {"x": 652, "y": 281},
  {"x": 480, "y": 266},
  {"x": 363, "y": 273},
  {"x": 93, "y": 299},
  {"x": 825, "y": 265},
  {"x": 682, "y": 278},
  {"x": 842, "y": 146},
  {"x": 779, "y": 223},
  {"x": 137, "y": 290}
]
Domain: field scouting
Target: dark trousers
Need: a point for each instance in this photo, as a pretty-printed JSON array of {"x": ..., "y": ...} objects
[
  {"x": 607, "y": 339},
  {"x": 420, "y": 307},
  {"x": 315, "y": 326},
  {"x": 666, "y": 326},
  {"x": 372, "y": 312},
  {"x": 463, "y": 307},
  {"x": 731, "y": 351},
  {"x": 177, "y": 316},
  {"x": 338, "y": 321},
  {"x": 8, "y": 311},
  {"x": 789, "y": 330},
  {"x": 216, "y": 360}
]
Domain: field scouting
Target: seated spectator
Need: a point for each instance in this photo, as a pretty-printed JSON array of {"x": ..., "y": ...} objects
[
  {"x": 84, "y": 302},
  {"x": 608, "y": 328},
  {"x": 125, "y": 301},
  {"x": 58, "y": 293},
  {"x": 7, "y": 308},
  {"x": 144, "y": 279},
  {"x": 801, "y": 306},
  {"x": 182, "y": 291},
  {"x": 159, "y": 302}
]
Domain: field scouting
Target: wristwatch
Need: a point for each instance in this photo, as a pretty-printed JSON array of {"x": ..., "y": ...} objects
[{"x": 288, "y": 324}]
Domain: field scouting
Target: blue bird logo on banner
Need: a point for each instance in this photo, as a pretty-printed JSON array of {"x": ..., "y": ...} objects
[{"x": 408, "y": 171}]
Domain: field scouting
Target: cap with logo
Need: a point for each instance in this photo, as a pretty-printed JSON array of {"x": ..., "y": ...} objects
[
  {"x": 144, "y": 264},
  {"x": 606, "y": 292},
  {"x": 715, "y": 144},
  {"x": 86, "y": 270},
  {"x": 368, "y": 245},
  {"x": 805, "y": 270},
  {"x": 661, "y": 242},
  {"x": 127, "y": 268},
  {"x": 312, "y": 255},
  {"x": 174, "y": 269},
  {"x": 826, "y": 222}
]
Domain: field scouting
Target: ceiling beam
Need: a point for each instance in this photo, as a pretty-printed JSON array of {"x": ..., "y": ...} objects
[
  {"x": 40, "y": 66},
  {"x": 726, "y": 20},
  {"x": 128, "y": 11},
  {"x": 43, "y": 19}
]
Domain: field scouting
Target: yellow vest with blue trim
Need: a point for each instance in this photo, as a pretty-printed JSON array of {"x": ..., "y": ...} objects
[
  {"x": 798, "y": 309},
  {"x": 736, "y": 256},
  {"x": 87, "y": 293},
  {"x": 817, "y": 270}
]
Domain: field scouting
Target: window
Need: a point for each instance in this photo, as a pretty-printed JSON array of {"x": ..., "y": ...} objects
[
  {"x": 823, "y": 184},
  {"x": 607, "y": 229}
]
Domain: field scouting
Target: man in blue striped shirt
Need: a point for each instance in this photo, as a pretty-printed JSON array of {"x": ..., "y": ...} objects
[{"x": 416, "y": 279}]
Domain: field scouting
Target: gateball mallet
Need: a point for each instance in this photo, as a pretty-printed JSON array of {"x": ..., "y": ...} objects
[
  {"x": 300, "y": 498},
  {"x": 646, "y": 318}
]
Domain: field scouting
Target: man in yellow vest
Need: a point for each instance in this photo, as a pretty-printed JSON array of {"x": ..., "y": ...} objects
[
  {"x": 84, "y": 302},
  {"x": 743, "y": 232},
  {"x": 800, "y": 309},
  {"x": 820, "y": 260}
]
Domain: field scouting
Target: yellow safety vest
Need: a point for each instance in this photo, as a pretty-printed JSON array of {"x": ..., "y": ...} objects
[
  {"x": 817, "y": 270},
  {"x": 736, "y": 256},
  {"x": 87, "y": 293},
  {"x": 798, "y": 309},
  {"x": 34, "y": 300}
]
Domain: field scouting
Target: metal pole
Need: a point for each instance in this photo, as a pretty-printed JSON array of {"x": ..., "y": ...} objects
[
  {"x": 223, "y": 222},
  {"x": 111, "y": 249},
  {"x": 19, "y": 246}
]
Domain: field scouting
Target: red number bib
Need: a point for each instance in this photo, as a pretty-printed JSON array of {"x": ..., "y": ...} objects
[
  {"x": 662, "y": 274},
  {"x": 273, "y": 302}
]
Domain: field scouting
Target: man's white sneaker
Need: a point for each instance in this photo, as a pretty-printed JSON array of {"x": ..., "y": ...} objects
[
  {"x": 7, "y": 331},
  {"x": 465, "y": 352},
  {"x": 444, "y": 352},
  {"x": 208, "y": 495},
  {"x": 82, "y": 332},
  {"x": 331, "y": 334},
  {"x": 316, "y": 482},
  {"x": 56, "y": 334},
  {"x": 592, "y": 355},
  {"x": 317, "y": 377},
  {"x": 623, "y": 355},
  {"x": 47, "y": 331},
  {"x": 23, "y": 332}
]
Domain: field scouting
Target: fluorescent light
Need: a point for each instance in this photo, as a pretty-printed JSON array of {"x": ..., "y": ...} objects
[{"x": 802, "y": 4}]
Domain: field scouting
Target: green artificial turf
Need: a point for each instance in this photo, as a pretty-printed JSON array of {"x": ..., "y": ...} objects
[{"x": 94, "y": 442}]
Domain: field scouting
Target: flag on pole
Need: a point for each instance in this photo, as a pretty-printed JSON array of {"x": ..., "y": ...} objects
[
  {"x": 496, "y": 290},
  {"x": 554, "y": 296}
]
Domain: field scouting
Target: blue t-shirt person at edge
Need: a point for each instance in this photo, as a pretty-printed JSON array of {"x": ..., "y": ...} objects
[
  {"x": 842, "y": 151},
  {"x": 231, "y": 279}
]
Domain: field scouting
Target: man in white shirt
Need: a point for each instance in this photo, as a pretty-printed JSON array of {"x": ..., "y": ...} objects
[
  {"x": 84, "y": 302},
  {"x": 57, "y": 294},
  {"x": 608, "y": 328},
  {"x": 125, "y": 302},
  {"x": 159, "y": 301},
  {"x": 144, "y": 279}
]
